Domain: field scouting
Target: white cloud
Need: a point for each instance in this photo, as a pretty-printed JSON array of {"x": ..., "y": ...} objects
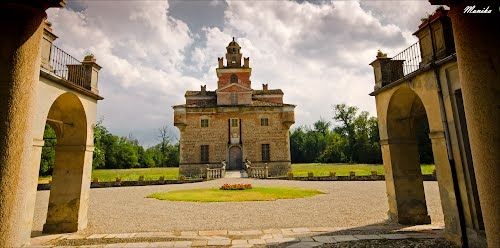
[
  {"x": 141, "y": 49},
  {"x": 317, "y": 53}
]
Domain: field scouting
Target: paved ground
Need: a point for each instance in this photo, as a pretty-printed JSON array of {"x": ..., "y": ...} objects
[
  {"x": 346, "y": 204},
  {"x": 380, "y": 236}
]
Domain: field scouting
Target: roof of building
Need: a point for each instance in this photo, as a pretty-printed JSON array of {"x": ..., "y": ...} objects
[
  {"x": 268, "y": 92},
  {"x": 199, "y": 93},
  {"x": 213, "y": 93},
  {"x": 213, "y": 103}
]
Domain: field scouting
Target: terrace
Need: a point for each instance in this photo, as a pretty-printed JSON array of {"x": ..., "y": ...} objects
[{"x": 59, "y": 66}]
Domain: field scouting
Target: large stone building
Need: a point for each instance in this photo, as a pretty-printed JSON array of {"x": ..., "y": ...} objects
[{"x": 234, "y": 123}]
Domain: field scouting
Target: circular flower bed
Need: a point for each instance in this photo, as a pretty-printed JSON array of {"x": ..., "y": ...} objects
[
  {"x": 237, "y": 186},
  {"x": 235, "y": 193}
]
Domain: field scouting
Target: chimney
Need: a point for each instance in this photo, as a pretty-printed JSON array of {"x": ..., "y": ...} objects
[
  {"x": 221, "y": 62},
  {"x": 246, "y": 62},
  {"x": 264, "y": 87}
]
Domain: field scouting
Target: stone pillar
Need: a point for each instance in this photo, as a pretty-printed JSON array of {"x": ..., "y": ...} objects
[
  {"x": 446, "y": 190},
  {"x": 19, "y": 68},
  {"x": 386, "y": 70},
  {"x": 478, "y": 56},
  {"x": 90, "y": 63},
  {"x": 69, "y": 193},
  {"x": 404, "y": 182}
]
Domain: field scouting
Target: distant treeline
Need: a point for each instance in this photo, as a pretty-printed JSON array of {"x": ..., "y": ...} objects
[
  {"x": 352, "y": 138},
  {"x": 115, "y": 152}
]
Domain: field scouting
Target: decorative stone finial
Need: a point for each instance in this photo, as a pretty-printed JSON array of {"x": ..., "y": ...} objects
[
  {"x": 233, "y": 38},
  {"x": 89, "y": 58},
  {"x": 380, "y": 54}
]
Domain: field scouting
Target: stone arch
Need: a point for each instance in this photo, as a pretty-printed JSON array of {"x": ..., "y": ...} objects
[
  {"x": 69, "y": 193},
  {"x": 400, "y": 112},
  {"x": 405, "y": 111}
]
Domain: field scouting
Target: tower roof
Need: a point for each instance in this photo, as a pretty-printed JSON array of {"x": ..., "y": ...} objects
[{"x": 233, "y": 43}]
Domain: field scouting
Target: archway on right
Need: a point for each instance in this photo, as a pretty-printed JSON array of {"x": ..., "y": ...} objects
[{"x": 406, "y": 117}]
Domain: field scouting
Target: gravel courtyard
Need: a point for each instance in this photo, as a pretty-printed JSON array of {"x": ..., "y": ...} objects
[{"x": 346, "y": 204}]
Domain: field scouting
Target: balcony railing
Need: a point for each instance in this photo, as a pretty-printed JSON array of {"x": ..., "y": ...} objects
[
  {"x": 410, "y": 58},
  {"x": 69, "y": 68}
]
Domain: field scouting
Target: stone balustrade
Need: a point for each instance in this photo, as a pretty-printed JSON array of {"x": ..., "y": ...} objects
[
  {"x": 258, "y": 172},
  {"x": 214, "y": 173}
]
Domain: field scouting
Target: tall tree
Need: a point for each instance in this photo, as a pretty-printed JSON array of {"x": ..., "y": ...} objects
[{"x": 346, "y": 115}]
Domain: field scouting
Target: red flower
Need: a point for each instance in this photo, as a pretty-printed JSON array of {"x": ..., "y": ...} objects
[{"x": 237, "y": 186}]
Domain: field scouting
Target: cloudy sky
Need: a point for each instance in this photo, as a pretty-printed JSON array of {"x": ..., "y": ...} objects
[{"x": 151, "y": 52}]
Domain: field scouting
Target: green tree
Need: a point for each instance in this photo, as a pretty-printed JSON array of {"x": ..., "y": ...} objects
[
  {"x": 346, "y": 116},
  {"x": 48, "y": 157}
]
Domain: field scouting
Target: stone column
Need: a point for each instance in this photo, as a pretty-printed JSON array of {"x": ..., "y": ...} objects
[
  {"x": 478, "y": 56},
  {"x": 69, "y": 193},
  {"x": 404, "y": 182},
  {"x": 19, "y": 68}
]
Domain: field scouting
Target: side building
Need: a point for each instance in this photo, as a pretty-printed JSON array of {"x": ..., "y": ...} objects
[{"x": 234, "y": 123}]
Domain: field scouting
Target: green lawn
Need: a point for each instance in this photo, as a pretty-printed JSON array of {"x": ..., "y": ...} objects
[
  {"x": 297, "y": 169},
  {"x": 343, "y": 169},
  {"x": 217, "y": 195},
  {"x": 109, "y": 175}
]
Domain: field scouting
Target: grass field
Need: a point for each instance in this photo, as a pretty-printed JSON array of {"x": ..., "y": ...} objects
[
  {"x": 217, "y": 195},
  {"x": 344, "y": 169},
  {"x": 297, "y": 169},
  {"x": 109, "y": 175}
]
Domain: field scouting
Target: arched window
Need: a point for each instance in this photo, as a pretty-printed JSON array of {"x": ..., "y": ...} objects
[{"x": 234, "y": 79}]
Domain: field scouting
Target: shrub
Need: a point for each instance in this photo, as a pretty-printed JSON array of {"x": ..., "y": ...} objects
[{"x": 238, "y": 186}]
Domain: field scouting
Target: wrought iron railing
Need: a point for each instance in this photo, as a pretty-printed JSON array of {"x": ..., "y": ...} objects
[
  {"x": 411, "y": 59},
  {"x": 68, "y": 67}
]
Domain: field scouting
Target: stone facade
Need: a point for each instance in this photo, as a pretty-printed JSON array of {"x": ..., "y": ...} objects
[{"x": 235, "y": 122}]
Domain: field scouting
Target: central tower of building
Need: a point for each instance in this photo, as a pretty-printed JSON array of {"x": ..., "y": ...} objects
[{"x": 234, "y": 123}]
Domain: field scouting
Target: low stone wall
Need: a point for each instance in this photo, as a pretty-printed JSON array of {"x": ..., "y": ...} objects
[
  {"x": 119, "y": 183},
  {"x": 351, "y": 177}
]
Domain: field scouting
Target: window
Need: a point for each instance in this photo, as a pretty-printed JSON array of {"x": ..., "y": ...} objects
[
  {"x": 204, "y": 122},
  {"x": 234, "y": 122},
  {"x": 265, "y": 152},
  {"x": 264, "y": 121},
  {"x": 204, "y": 153},
  {"x": 234, "y": 98},
  {"x": 234, "y": 78}
]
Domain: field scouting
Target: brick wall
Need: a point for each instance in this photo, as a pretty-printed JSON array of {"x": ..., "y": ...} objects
[{"x": 216, "y": 135}]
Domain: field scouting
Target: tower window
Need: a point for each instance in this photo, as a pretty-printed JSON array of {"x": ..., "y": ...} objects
[
  {"x": 265, "y": 152},
  {"x": 234, "y": 79},
  {"x": 204, "y": 153},
  {"x": 264, "y": 121},
  {"x": 204, "y": 122}
]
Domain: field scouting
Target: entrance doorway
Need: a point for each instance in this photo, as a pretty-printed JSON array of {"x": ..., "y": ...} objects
[{"x": 235, "y": 158}]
